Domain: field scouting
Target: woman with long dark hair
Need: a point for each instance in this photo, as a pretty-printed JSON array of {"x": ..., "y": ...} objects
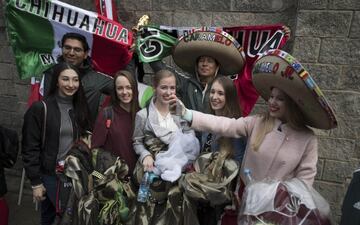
[
  {"x": 49, "y": 129},
  {"x": 224, "y": 101},
  {"x": 115, "y": 124},
  {"x": 212, "y": 183}
]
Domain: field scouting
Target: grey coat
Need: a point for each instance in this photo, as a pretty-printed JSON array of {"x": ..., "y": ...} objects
[{"x": 147, "y": 122}]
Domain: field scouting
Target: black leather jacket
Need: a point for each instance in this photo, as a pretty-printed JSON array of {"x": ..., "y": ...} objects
[{"x": 38, "y": 158}]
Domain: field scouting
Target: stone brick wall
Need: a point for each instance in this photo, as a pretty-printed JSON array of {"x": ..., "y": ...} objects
[{"x": 325, "y": 38}]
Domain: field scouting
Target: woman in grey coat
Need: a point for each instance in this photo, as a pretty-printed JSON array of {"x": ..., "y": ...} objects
[{"x": 165, "y": 145}]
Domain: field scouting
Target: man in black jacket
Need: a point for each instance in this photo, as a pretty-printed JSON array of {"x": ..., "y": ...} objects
[
  {"x": 9, "y": 147},
  {"x": 75, "y": 51},
  {"x": 351, "y": 205},
  {"x": 202, "y": 60}
]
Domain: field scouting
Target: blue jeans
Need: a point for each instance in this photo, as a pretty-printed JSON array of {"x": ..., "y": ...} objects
[{"x": 48, "y": 206}]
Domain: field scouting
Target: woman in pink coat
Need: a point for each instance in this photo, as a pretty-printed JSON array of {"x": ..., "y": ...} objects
[
  {"x": 280, "y": 144},
  {"x": 278, "y": 147}
]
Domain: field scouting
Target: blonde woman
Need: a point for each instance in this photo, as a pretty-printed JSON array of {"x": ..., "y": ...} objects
[{"x": 165, "y": 145}]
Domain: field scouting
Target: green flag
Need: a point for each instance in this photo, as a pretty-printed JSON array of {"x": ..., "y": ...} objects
[
  {"x": 153, "y": 44},
  {"x": 32, "y": 49},
  {"x": 35, "y": 30}
]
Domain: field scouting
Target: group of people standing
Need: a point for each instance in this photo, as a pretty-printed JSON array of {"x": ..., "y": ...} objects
[{"x": 198, "y": 159}]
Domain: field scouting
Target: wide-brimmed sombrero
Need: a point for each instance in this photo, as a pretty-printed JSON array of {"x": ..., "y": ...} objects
[
  {"x": 279, "y": 69},
  {"x": 213, "y": 42}
]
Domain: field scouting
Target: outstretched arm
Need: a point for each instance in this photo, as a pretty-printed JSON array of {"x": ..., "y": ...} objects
[
  {"x": 215, "y": 124},
  {"x": 223, "y": 126}
]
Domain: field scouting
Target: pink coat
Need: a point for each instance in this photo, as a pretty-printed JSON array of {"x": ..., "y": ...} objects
[{"x": 282, "y": 155}]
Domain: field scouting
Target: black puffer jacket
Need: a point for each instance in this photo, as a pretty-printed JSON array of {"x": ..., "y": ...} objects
[{"x": 37, "y": 159}]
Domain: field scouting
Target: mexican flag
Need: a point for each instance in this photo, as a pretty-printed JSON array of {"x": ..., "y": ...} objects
[{"x": 35, "y": 29}]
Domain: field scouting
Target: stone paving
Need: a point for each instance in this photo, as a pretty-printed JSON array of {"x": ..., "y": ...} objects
[{"x": 25, "y": 214}]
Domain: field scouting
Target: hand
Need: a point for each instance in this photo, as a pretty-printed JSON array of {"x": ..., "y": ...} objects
[
  {"x": 287, "y": 31},
  {"x": 143, "y": 21},
  {"x": 176, "y": 107},
  {"x": 148, "y": 163},
  {"x": 39, "y": 193}
]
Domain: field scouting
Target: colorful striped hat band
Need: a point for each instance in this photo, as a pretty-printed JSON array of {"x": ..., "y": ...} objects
[{"x": 277, "y": 68}]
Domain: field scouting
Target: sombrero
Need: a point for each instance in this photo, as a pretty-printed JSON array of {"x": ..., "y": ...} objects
[
  {"x": 279, "y": 69},
  {"x": 212, "y": 42}
]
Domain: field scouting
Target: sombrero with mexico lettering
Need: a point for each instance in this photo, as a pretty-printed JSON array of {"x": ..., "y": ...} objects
[
  {"x": 279, "y": 69},
  {"x": 214, "y": 43}
]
